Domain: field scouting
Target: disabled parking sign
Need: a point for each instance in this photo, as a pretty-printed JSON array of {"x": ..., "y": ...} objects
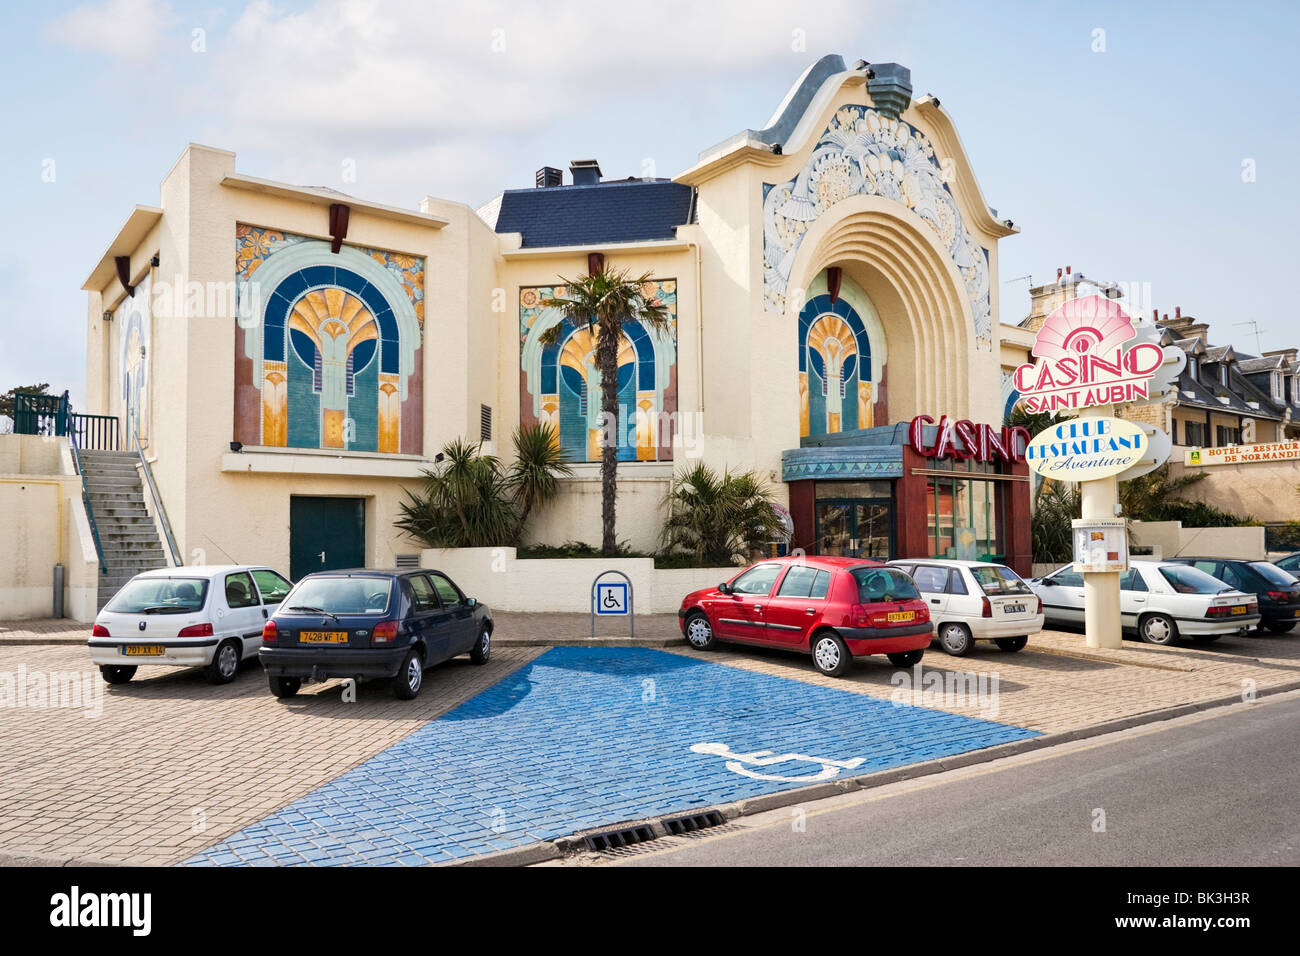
[{"x": 612, "y": 598}]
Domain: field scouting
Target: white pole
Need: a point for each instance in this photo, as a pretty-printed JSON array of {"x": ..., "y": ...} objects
[{"x": 1101, "y": 590}]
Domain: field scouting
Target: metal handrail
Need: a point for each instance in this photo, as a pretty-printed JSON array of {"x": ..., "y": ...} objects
[
  {"x": 90, "y": 510},
  {"x": 157, "y": 499}
]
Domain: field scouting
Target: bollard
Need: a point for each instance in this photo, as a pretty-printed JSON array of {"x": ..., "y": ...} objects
[{"x": 58, "y": 591}]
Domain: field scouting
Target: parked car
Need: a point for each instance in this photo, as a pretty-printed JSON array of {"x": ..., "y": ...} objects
[
  {"x": 208, "y": 617},
  {"x": 372, "y": 624},
  {"x": 1160, "y": 601},
  {"x": 1290, "y": 564},
  {"x": 1277, "y": 590},
  {"x": 975, "y": 601},
  {"x": 830, "y": 607}
]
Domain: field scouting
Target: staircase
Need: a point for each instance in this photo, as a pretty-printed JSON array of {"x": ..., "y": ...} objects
[{"x": 126, "y": 530}]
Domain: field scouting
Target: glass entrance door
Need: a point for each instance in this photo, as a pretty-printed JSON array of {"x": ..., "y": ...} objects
[{"x": 856, "y": 527}]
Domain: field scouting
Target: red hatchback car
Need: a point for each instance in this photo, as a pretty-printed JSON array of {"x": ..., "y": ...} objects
[{"x": 833, "y": 608}]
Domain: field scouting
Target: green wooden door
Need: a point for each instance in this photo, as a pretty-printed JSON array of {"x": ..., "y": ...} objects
[{"x": 326, "y": 534}]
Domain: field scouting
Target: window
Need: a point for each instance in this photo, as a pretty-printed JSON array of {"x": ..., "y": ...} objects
[
  {"x": 1227, "y": 435},
  {"x": 240, "y": 591},
  {"x": 997, "y": 579},
  {"x": 821, "y": 585},
  {"x": 160, "y": 596},
  {"x": 884, "y": 585},
  {"x": 485, "y": 422},
  {"x": 1193, "y": 368},
  {"x": 1223, "y": 374},
  {"x": 1195, "y": 434},
  {"x": 341, "y": 595},
  {"x": 956, "y": 583},
  {"x": 758, "y": 580},
  {"x": 272, "y": 586},
  {"x": 1067, "y": 578},
  {"x": 930, "y": 579},
  {"x": 1277, "y": 386},
  {"x": 1188, "y": 580},
  {"x": 1272, "y": 573},
  {"x": 447, "y": 591},
  {"x": 798, "y": 582},
  {"x": 1173, "y": 430},
  {"x": 426, "y": 599},
  {"x": 1133, "y": 581}
]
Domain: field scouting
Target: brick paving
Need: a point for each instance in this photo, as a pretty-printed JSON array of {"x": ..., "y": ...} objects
[{"x": 174, "y": 765}]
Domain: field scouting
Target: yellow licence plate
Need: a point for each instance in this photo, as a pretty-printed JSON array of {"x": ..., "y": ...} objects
[
  {"x": 143, "y": 650},
  {"x": 895, "y": 617},
  {"x": 1238, "y": 610},
  {"x": 323, "y": 637}
]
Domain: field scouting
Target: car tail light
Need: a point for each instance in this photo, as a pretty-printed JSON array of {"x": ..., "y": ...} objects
[
  {"x": 860, "y": 616},
  {"x": 268, "y": 633},
  {"x": 100, "y": 631},
  {"x": 1252, "y": 607},
  {"x": 1040, "y": 606},
  {"x": 1280, "y": 596},
  {"x": 923, "y": 615},
  {"x": 986, "y": 607},
  {"x": 196, "y": 630},
  {"x": 385, "y": 632}
]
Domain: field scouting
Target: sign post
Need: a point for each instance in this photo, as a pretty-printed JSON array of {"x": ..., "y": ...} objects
[
  {"x": 612, "y": 599},
  {"x": 1090, "y": 356}
]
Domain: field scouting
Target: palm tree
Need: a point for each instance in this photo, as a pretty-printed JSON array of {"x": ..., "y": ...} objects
[
  {"x": 604, "y": 300},
  {"x": 540, "y": 462},
  {"x": 719, "y": 519}
]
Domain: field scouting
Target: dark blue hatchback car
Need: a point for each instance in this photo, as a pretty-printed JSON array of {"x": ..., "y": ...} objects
[{"x": 372, "y": 624}]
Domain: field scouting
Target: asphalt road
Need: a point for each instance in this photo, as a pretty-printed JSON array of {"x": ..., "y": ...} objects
[{"x": 1217, "y": 789}]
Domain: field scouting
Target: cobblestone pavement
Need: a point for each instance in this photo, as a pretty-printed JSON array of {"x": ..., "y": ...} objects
[{"x": 168, "y": 765}]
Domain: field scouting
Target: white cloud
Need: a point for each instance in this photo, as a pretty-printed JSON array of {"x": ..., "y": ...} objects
[{"x": 126, "y": 29}]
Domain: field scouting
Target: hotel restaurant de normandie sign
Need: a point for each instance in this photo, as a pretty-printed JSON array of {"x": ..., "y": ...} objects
[{"x": 1244, "y": 454}]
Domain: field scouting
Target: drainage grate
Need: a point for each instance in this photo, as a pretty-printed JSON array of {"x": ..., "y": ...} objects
[
  {"x": 613, "y": 839},
  {"x": 696, "y": 821}
]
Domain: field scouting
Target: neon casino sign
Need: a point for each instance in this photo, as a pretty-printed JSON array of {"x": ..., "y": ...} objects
[
  {"x": 962, "y": 440},
  {"x": 1085, "y": 357}
]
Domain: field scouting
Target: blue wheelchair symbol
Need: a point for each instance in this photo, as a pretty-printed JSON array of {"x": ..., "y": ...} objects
[{"x": 611, "y": 598}]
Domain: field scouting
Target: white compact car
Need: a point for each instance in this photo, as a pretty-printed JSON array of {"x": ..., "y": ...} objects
[
  {"x": 186, "y": 617},
  {"x": 1159, "y": 601},
  {"x": 975, "y": 601}
]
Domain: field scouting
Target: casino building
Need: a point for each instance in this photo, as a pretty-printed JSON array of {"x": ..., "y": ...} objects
[{"x": 292, "y": 357}]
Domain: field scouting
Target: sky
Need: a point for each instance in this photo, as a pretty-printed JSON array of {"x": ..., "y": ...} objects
[{"x": 1152, "y": 144}]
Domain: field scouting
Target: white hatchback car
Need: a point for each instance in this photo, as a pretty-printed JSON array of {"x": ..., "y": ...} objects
[
  {"x": 1159, "y": 601},
  {"x": 975, "y": 601},
  {"x": 208, "y": 617}
]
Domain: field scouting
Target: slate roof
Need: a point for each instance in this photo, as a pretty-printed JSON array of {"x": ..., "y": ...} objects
[
  {"x": 635, "y": 210},
  {"x": 1266, "y": 364}
]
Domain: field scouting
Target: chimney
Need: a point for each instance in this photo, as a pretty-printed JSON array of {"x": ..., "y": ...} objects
[
  {"x": 549, "y": 176},
  {"x": 1178, "y": 312},
  {"x": 1058, "y": 273},
  {"x": 1067, "y": 270},
  {"x": 586, "y": 172}
]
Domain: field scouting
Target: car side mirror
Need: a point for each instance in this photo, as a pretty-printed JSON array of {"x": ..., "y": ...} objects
[
  {"x": 724, "y": 587},
  {"x": 471, "y": 602},
  {"x": 1047, "y": 582}
]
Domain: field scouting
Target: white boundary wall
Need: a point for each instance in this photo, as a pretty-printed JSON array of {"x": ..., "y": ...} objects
[{"x": 506, "y": 582}]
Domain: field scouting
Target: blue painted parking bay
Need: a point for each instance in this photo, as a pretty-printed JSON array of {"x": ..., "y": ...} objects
[{"x": 587, "y": 737}]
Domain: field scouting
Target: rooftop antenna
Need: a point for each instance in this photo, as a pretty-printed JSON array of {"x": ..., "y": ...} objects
[
  {"x": 1259, "y": 345},
  {"x": 1026, "y": 276}
]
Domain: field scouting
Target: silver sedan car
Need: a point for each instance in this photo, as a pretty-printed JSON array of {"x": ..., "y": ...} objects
[{"x": 1159, "y": 601}]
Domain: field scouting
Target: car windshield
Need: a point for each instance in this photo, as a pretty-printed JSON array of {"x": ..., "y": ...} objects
[
  {"x": 1189, "y": 580},
  {"x": 996, "y": 579},
  {"x": 160, "y": 596},
  {"x": 877, "y": 585},
  {"x": 1273, "y": 574},
  {"x": 340, "y": 595}
]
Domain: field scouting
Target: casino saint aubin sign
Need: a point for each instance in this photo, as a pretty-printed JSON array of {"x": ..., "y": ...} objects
[{"x": 1086, "y": 355}]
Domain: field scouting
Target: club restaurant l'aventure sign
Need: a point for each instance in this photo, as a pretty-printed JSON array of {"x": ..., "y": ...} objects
[
  {"x": 1089, "y": 352},
  {"x": 1085, "y": 449}
]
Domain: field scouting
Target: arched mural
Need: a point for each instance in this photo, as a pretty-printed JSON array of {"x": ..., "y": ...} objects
[
  {"x": 328, "y": 345},
  {"x": 841, "y": 362},
  {"x": 134, "y": 319},
  {"x": 865, "y": 153},
  {"x": 562, "y": 385}
]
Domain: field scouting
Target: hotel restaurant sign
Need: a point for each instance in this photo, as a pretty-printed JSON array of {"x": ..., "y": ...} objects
[
  {"x": 1090, "y": 352},
  {"x": 1244, "y": 454}
]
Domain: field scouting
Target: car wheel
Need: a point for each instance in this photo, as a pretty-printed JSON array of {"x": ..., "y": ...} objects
[
  {"x": 699, "y": 632},
  {"x": 225, "y": 662},
  {"x": 1012, "y": 644},
  {"x": 284, "y": 686},
  {"x": 410, "y": 676},
  {"x": 117, "y": 674},
  {"x": 956, "y": 639},
  {"x": 906, "y": 658},
  {"x": 831, "y": 655},
  {"x": 1280, "y": 627},
  {"x": 482, "y": 647},
  {"x": 1158, "y": 629}
]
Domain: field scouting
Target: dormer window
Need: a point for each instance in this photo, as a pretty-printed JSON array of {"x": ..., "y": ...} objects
[
  {"x": 1278, "y": 394},
  {"x": 1194, "y": 368},
  {"x": 1223, "y": 375}
]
